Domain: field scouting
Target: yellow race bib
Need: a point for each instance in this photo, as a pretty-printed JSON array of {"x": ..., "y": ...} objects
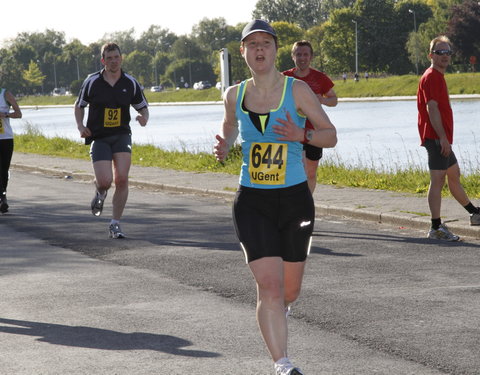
[
  {"x": 2, "y": 129},
  {"x": 112, "y": 118},
  {"x": 268, "y": 163}
]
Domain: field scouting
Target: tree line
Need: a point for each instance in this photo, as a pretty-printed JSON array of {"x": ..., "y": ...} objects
[{"x": 383, "y": 36}]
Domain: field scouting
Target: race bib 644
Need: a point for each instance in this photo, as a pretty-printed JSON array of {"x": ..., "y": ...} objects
[{"x": 268, "y": 163}]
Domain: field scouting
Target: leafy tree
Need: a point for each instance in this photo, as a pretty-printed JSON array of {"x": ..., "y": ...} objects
[
  {"x": 409, "y": 15},
  {"x": 155, "y": 39},
  {"x": 10, "y": 72},
  {"x": 327, "y": 6},
  {"x": 464, "y": 29},
  {"x": 436, "y": 25},
  {"x": 139, "y": 64},
  {"x": 304, "y": 13},
  {"x": 375, "y": 19},
  {"x": 338, "y": 43},
  {"x": 32, "y": 76},
  {"x": 288, "y": 33},
  {"x": 211, "y": 34},
  {"x": 125, "y": 40}
]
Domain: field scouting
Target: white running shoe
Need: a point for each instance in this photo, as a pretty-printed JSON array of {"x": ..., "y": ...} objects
[{"x": 287, "y": 368}]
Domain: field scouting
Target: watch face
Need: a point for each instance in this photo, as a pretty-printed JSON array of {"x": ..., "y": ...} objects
[{"x": 309, "y": 135}]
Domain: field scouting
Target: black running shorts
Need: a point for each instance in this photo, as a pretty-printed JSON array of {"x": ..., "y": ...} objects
[
  {"x": 436, "y": 161},
  {"x": 312, "y": 152},
  {"x": 104, "y": 148},
  {"x": 274, "y": 222}
]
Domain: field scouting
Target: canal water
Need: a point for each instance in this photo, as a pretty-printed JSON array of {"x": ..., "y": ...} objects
[{"x": 377, "y": 134}]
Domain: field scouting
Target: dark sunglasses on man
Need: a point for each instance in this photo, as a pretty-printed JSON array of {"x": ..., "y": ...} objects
[{"x": 442, "y": 52}]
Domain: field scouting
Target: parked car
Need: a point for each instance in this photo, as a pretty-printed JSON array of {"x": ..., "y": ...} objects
[{"x": 156, "y": 88}]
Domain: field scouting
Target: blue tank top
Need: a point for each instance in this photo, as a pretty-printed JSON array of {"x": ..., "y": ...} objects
[{"x": 267, "y": 162}]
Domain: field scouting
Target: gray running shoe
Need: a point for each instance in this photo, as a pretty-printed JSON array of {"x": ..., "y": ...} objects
[
  {"x": 3, "y": 204},
  {"x": 97, "y": 204},
  {"x": 115, "y": 231},
  {"x": 474, "y": 219},
  {"x": 442, "y": 233}
]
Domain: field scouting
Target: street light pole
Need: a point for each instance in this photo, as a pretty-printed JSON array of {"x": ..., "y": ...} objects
[
  {"x": 78, "y": 69},
  {"x": 415, "y": 36},
  {"x": 356, "y": 49},
  {"x": 54, "y": 73}
]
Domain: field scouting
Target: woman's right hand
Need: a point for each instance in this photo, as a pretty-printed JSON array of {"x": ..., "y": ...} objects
[{"x": 221, "y": 148}]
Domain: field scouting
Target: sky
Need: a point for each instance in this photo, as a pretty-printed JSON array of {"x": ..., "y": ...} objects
[{"x": 89, "y": 20}]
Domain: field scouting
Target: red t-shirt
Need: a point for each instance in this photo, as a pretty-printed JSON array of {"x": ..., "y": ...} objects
[
  {"x": 318, "y": 82},
  {"x": 432, "y": 86}
]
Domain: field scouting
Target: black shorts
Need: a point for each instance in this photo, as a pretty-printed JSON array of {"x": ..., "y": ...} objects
[
  {"x": 436, "y": 161},
  {"x": 274, "y": 222},
  {"x": 104, "y": 148},
  {"x": 312, "y": 152}
]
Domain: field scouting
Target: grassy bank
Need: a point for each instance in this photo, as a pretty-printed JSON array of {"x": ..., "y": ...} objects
[
  {"x": 463, "y": 83},
  {"x": 413, "y": 180}
]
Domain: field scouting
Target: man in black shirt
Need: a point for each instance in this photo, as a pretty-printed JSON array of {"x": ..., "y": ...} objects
[{"x": 109, "y": 94}]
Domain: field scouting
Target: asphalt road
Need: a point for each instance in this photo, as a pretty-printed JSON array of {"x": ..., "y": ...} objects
[{"x": 176, "y": 296}]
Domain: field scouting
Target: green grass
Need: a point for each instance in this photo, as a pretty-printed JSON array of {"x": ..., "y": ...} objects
[
  {"x": 413, "y": 180},
  {"x": 208, "y": 95},
  {"x": 406, "y": 85}
]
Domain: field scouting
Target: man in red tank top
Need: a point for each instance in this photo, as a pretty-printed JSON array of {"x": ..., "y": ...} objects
[{"x": 322, "y": 86}]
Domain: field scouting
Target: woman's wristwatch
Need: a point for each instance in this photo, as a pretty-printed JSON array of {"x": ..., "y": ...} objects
[{"x": 307, "y": 135}]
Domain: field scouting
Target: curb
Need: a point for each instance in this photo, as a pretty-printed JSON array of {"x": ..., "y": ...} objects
[{"x": 401, "y": 220}]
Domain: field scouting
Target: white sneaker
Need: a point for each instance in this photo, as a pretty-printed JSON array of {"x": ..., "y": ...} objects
[
  {"x": 442, "y": 233},
  {"x": 287, "y": 368}
]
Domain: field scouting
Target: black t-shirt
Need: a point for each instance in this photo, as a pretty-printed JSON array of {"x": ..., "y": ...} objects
[{"x": 109, "y": 106}]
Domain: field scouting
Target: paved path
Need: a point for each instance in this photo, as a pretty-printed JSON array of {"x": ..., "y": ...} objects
[{"x": 403, "y": 210}]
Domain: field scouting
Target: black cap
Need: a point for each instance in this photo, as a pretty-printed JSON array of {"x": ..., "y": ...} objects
[{"x": 256, "y": 26}]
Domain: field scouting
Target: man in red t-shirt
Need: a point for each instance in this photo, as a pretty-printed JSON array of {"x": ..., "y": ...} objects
[
  {"x": 435, "y": 125},
  {"x": 322, "y": 85}
]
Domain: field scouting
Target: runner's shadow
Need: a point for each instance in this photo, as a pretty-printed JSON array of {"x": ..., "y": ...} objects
[{"x": 102, "y": 339}]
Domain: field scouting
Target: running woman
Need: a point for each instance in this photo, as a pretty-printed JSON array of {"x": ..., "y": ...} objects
[{"x": 273, "y": 210}]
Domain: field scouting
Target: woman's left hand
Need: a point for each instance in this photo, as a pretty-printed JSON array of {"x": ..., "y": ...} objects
[{"x": 288, "y": 130}]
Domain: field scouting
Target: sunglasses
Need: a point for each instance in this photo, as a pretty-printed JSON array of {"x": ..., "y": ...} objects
[{"x": 442, "y": 52}]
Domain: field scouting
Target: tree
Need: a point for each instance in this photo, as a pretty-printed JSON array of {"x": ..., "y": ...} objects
[
  {"x": 304, "y": 13},
  {"x": 32, "y": 76},
  {"x": 409, "y": 15},
  {"x": 287, "y": 33},
  {"x": 338, "y": 43},
  {"x": 156, "y": 39},
  {"x": 211, "y": 34},
  {"x": 376, "y": 34},
  {"x": 138, "y": 64},
  {"x": 436, "y": 25},
  {"x": 464, "y": 29},
  {"x": 10, "y": 72},
  {"x": 125, "y": 40}
]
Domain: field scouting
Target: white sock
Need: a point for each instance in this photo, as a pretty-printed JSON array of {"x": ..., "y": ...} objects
[{"x": 113, "y": 222}]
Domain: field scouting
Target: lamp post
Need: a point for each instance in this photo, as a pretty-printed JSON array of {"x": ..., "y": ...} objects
[
  {"x": 415, "y": 36},
  {"x": 78, "y": 69},
  {"x": 54, "y": 73},
  {"x": 189, "y": 65},
  {"x": 356, "y": 49}
]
